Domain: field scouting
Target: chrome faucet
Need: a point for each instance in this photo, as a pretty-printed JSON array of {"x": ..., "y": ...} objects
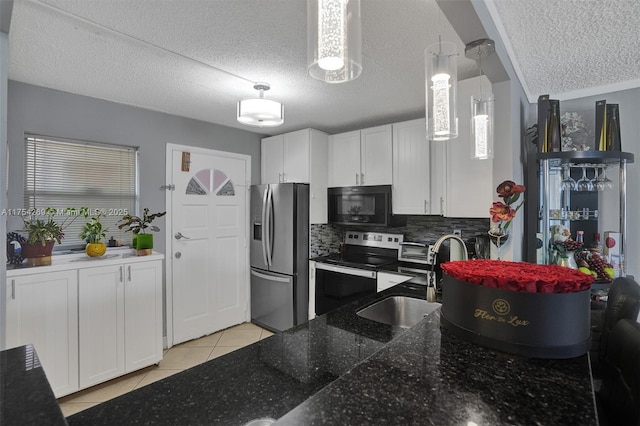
[
  {"x": 438, "y": 243},
  {"x": 431, "y": 286}
]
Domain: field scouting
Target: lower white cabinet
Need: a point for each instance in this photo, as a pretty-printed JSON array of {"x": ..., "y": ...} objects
[
  {"x": 387, "y": 280},
  {"x": 120, "y": 313},
  {"x": 42, "y": 311},
  {"x": 87, "y": 323}
]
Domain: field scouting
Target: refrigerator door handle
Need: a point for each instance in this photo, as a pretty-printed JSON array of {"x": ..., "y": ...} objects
[
  {"x": 264, "y": 227},
  {"x": 269, "y": 224},
  {"x": 270, "y": 277}
]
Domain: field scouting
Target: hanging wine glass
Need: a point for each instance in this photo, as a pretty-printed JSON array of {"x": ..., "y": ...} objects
[
  {"x": 568, "y": 183},
  {"x": 584, "y": 184},
  {"x": 598, "y": 180},
  {"x": 608, "y": 183}
]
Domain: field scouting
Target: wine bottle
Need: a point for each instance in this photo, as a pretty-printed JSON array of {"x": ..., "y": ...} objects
[
  {"x": 601, "y": 125},
  {"x": 613, "y": 128},
  {"x": 555, "y": 136},
  {"x": 543, "y": 123}
]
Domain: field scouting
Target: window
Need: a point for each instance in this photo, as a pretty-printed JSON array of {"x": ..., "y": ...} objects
[{"x": 65, "y": 173}]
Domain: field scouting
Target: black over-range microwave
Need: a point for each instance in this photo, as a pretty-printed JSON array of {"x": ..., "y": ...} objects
[{"x": 362, "y": 206}]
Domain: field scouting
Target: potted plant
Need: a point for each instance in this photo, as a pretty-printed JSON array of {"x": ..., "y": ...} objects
[
  {"x": 43, "y": 232},
  {"x": 142, "y": 241},
  {"x": 93, "y": 232}
]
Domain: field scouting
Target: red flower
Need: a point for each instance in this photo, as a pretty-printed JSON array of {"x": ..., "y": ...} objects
[
  {"x": 508, "y": 188},
  {"x": 518, "y": 276},
  {"x": 500, "y": 211}
]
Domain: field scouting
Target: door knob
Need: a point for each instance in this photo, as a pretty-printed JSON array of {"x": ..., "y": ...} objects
[
  {"x": 178, "y": 235},
  {"x": 178, "y": 255}
]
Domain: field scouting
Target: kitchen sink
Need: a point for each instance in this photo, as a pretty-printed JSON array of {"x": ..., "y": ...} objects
[{"x": 401, "y": 311}]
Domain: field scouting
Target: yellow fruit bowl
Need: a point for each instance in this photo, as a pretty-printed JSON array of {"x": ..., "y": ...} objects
[{"x": 96, "y": 249}]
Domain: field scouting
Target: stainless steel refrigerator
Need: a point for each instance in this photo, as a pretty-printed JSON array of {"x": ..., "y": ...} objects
[{"x": 280, "y": 255}]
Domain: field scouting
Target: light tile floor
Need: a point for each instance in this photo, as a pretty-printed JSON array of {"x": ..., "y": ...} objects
[{"x": 175, "y": 360}]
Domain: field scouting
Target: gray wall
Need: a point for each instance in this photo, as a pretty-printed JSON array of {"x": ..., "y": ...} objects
[{"x": 43, "y": 111}]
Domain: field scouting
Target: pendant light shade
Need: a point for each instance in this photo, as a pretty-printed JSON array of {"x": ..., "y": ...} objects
[
  {"x": 334, "y": 41},
  {"x": 482, "y": 126},
  {"x": 259, "y": 111},
  {"x": 482, "y": 105},
  {"x": 441, "y": 85}
]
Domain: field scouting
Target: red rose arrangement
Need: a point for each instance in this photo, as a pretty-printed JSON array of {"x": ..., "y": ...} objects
[{"x": 518, "y": 276}]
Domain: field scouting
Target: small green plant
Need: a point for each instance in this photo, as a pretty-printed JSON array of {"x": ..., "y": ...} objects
[
  {"x": 93, "y": 231},
  {"x": 139, "y": 225},
  {"x": 44, "y": 229}
]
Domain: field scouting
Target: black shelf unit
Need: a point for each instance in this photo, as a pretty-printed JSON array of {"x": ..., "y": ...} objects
[{"x": 582, "y": 213}]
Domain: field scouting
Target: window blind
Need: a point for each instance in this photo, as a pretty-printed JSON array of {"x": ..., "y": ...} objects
[{"x": 63, "y": 173}]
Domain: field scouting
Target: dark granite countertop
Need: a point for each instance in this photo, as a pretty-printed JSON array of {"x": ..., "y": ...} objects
[
  {"x": 343, "y": 369},
  {"x": 25, "y": 395}
]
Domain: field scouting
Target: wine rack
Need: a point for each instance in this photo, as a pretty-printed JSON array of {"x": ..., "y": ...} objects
[{"x": 593, "y": 211}]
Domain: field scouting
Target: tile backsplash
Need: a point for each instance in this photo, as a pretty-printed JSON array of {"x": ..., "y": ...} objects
[{"x": 325, "y": 239}]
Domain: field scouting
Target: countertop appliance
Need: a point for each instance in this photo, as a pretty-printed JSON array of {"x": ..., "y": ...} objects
[
  {"x": 342, "y": 278},
  {"x": 362, "y": 206},
  {"x": 416, "y": 252},
  {"x": 279, "y": 255}
]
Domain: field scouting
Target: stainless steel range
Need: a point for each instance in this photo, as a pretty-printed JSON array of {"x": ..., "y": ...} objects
[{"x": 342, "y": 278}]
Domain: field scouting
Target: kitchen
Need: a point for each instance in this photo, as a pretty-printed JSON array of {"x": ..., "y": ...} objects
[{"x": 36, "y": 108}]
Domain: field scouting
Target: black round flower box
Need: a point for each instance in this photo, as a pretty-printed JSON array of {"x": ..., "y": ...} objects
[{"x": 535, "y": 325}]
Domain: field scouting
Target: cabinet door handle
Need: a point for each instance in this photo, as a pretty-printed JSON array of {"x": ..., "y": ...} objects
[
  {"x": 357, "y": 181},
  {"x": 279, "y": 177},
  {"x": 426, "y": 206},
  {"x": 121, "y": 273},
  {"x": 129, "y": 273},
  {"x": 13, "y": 289},
  {"x": 361, "y": 178},
  {"x": 284, "y": 178},
  {"x": 442, "y": 206}
]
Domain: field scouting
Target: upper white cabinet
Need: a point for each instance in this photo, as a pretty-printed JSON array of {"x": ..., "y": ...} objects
[
  {"x": 469, "y": 184},
  {"x": 42, "y": 310},
  {"x": 411, "y": 171},
  {"x": 299, "y": 157},
  {"x": 361, "y": 157}
]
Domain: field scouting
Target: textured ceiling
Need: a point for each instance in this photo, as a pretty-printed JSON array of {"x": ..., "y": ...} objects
[
  {"x": 571, "y": 48},
  {"x": 158, "y": 54},
  {"x": 106, "y": 54}
]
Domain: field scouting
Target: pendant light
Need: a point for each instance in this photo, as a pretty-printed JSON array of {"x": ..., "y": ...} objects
[
  {"x": 441, "y": 90},
  {"x": 482, "y": 106},
  {"x": 259, "y": 111},
  {"x": 334, "y": 40}
]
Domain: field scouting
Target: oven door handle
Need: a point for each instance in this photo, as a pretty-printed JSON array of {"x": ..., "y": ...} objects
[{"x": 347, "y": 271}]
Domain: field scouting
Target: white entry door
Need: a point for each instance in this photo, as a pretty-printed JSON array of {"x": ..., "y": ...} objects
[{"x": 209, "y": 262}]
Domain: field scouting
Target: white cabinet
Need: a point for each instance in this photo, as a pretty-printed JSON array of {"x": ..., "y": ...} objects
[
  {"x": 361, "y": 157},
  {"x": 387, "y": 280},
  {"x": 272, "y": 159},
  {"x": 299, "y": 157},
  {"x": 101, "y": 323},
  {"x": 89, "y": 320},
  {"x": 285, "y": 158},
  {"x": 42, "y": 310},
  {"x": 376, "y": 156},
  {"x": 142, "y": 315},
  {"x": 469, "y": 182},
  {"x": 120, "y": 319},
  {"x": 411, "y": 169}
]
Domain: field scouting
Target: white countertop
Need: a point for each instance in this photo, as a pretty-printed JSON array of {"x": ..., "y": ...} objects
[{"x": 64, "y": 262}]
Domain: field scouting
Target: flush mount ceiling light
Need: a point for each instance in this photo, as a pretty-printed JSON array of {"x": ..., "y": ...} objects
[
  {"x": 260, "y": 112},
  {"x": 482, "y": 106},
  {"x": 441, "y": 87},
  {"x": 334, "y": 40}
]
